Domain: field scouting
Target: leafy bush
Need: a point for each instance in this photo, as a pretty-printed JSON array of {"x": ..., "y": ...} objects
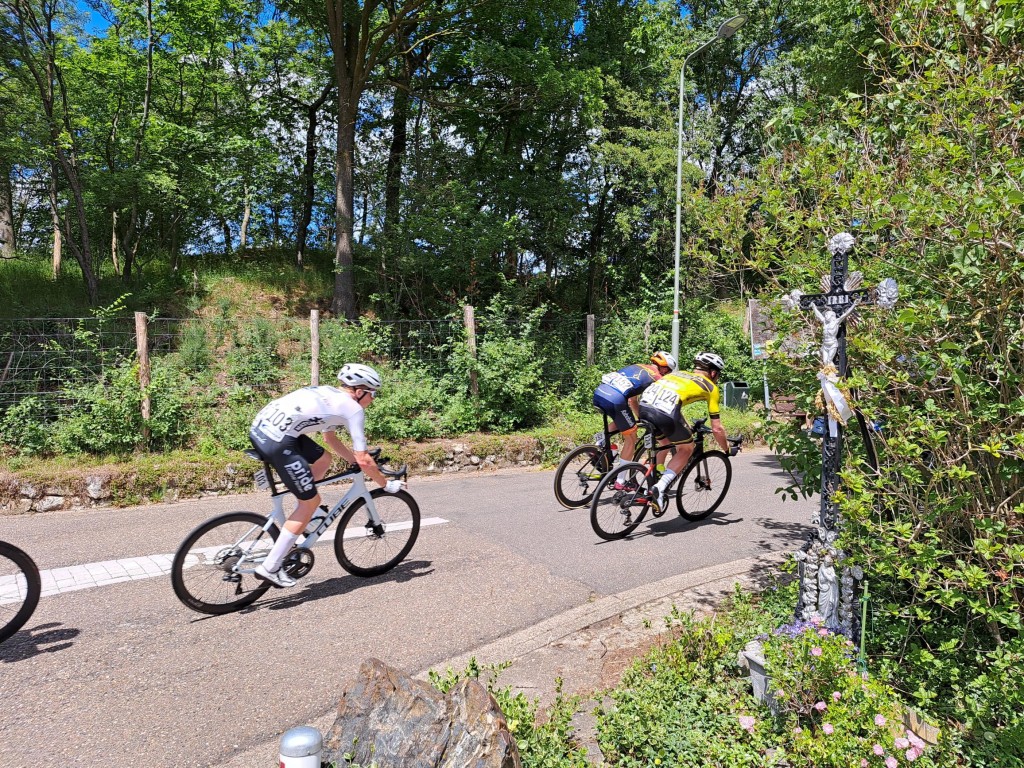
[
  {"x": 254, "y": 359},
  {"x": 24, "y": 427},
  {"x": 106, "y": 416},
  {"x": 342, "y": 341}
]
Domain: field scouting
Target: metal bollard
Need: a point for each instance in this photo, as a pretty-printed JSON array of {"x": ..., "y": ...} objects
[{"x": 300, "y": 747}]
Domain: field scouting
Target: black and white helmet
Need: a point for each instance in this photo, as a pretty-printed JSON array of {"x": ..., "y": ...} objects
[
  {"x": 359, "y": 375},
  {"x": 709, "y": 361}
]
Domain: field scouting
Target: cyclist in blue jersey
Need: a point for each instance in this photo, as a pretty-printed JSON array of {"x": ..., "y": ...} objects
[{"x": 616, "y": 396}]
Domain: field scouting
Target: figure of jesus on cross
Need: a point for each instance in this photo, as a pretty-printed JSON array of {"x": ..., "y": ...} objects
[{"x": 841, "y": 294}]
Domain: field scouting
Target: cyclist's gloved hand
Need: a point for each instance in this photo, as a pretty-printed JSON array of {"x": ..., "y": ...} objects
[{"x": 393, "y": 486}]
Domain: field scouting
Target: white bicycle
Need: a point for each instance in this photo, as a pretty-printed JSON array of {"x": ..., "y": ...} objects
[{"x": 212, "y": 571}]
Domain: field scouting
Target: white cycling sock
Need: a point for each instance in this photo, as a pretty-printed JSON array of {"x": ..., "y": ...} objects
[
  {"x": 281, "y": 548},
  {"x": 666, "y": 477}
]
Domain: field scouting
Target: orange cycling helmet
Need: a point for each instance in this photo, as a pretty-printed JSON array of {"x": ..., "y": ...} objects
[{"x": 664, "y": 359}]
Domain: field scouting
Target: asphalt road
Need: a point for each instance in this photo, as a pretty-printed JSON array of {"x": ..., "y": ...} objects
[{"x": 124, "y": 674}]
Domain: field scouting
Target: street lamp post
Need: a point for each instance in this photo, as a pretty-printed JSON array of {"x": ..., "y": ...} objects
[{"x": 728, "y": 29}]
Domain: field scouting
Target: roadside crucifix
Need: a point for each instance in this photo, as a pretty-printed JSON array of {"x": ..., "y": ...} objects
[{"x": 823, "y": 592}]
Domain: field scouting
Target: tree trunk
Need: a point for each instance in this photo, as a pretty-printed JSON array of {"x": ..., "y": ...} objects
[
  {"x": 343, "y": 303},
  {"x": 308, "y": 185},
  {"x": 225, "y": 229},
  {"x": 399, "y": 141},
  {"x": 114, "y": 245},
  {"x": 7, "y": 240},
  {"x": 243, "y": 230}
]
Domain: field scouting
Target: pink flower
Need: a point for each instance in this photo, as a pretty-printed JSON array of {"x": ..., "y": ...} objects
[
  {"x": 823, "y": 632},
  {"x": 836, "y": 695},
  {"x": 916, "y": 741},
  {"x": 879, "y": 720},
  {"x": 901, "y": 743},
  {"x": 821, "y": 706},
  {"x": 912, "y": 754},
  {"x": 798, "y": 730},
  {"x": 815, "y": 651},
  {"x": 890, "y": 762},
  {"x": 817, "y": 621},
  {"x": 863, "y": 763},
  {"x": 747, "y": 723},
  {"x": 878, "y": 749},
  {"x": 827, "y": 728}
]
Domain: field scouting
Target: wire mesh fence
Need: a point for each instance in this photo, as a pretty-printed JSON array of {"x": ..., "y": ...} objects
[{"x": 48, "y": 358}]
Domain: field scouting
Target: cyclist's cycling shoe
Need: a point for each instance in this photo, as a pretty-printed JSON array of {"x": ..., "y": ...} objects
[
  {"x": 278, "y": 578},
  {"x": 656, "y": 499},
  {"x": 625, "y": 486}
]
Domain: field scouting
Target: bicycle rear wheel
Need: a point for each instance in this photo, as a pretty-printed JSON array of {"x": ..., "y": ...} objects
[
  {"x": 365, "y": 549},
  {"x": 703, "y": 486},
  {"x": 620, "y": 502},
  {"x": 578, "y": 475},
  {"x": 212, "y": 571},
  {"x": 20, "y": 588}
]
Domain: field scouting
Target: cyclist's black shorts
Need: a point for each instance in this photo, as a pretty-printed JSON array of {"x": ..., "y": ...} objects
[
  {"x": 291, "y": 458},
  {"x": 671, "y": 426}
]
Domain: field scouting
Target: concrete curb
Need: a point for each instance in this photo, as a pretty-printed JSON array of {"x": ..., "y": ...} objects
[
  {"x": 582, "y": 645},
  {"x": 514, "y": 647}
]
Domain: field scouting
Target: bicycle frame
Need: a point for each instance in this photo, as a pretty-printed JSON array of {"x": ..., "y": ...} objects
[
  {"x": 264, "y": 479},
  {"x": 357, "y": 491}
]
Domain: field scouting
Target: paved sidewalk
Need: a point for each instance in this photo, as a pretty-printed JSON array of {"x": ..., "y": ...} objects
[{"x": 588, "y": 647}]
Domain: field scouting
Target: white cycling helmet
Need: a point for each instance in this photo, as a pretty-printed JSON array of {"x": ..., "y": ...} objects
[
  {"x": 709, "y": 361},
  {"x": 664, "y": 359},
  {"x": 359, "y": 375}
]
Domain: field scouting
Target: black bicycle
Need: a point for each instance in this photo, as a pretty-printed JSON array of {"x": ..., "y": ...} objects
[
  {"x": 583, "y": 468},
  {"x": 20, "y": 588},
  {"x": 623, "y": 497}
]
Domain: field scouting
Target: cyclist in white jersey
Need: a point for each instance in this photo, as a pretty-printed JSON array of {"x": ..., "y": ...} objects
[{"x": 280, "y": 434}]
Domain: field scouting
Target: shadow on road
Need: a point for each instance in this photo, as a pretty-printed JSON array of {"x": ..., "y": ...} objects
[
  {"x": 341, "y": 585},
  {"x": 791, "y": 533},
  {"x": 43, "y": 638}
]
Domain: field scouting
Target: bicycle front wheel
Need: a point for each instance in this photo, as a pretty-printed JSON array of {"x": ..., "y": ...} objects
[
  {"x": 367, "y": 549},
  {"x": 620, "y": 502},
  {"x": 703, "y": 486},
  {"x": 20, "y": 588},
  {"x": 212, "y": 571},
  {"x": 578, "y": 475}
]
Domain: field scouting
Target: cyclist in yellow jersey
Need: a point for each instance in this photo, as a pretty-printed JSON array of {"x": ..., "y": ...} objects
[{"x": 661, "y": 404}]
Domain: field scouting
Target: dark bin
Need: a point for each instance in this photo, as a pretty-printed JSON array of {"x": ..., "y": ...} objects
[{"x": 736, "y": 394}]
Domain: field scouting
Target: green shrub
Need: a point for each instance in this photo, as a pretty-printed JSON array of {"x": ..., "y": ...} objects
[
  {"x": 254, "y": 359},
  {"x": 24, "y": 426}
]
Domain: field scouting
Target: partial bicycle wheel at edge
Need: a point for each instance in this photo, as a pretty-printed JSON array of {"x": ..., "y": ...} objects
[
  {"x": 20, "y": 588},
  {"x": 704, "y": 485},
  {"x": 578, "y": 475},
  {"x": 616, "y": 511},
  {"x": 364, "y": 549},
  {"x": 203, "y": 571}
]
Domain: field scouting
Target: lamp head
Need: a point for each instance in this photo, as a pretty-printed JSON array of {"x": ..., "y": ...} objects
[{"x": 730, "y": 26}]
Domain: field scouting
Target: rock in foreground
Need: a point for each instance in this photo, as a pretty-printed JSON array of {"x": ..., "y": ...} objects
[{"x": 387, "y": 719}]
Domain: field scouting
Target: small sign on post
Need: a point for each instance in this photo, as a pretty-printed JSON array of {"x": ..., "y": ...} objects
[{"x": 142, "y": 350}]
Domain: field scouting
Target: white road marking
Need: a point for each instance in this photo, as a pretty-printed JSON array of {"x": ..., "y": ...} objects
[{"x": 89, "y": 575}]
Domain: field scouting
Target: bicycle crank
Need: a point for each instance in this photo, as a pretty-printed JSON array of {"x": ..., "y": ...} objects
[{"x": 299, "y": 562}]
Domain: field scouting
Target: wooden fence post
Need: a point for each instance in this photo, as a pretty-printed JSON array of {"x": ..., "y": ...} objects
[
  {"x": 314, "y": 347},
  {"x": 142, "y": 349},
  {"x": 590, "y": 339},
  {"x": 467, "y": 317}
]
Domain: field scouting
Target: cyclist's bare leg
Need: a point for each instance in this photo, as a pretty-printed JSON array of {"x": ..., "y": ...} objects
[
  {"x": 675, "y": 464},
  {"x": 683, "y": 454},
  {"x": 298, "y": 520},
  {"x": 628, "y": 444}
]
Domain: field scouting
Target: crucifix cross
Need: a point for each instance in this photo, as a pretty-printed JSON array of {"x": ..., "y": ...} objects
[{"x": 822, "y": 591}]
